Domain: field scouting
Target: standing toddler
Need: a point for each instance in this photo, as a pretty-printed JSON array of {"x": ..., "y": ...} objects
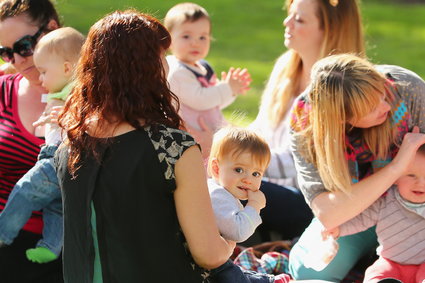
[
  {"x": 55, "y": 57},
  {"x": 190, "y": 77}
]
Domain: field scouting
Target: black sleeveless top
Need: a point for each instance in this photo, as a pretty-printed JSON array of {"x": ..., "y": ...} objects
[{"x": 132, "y": 187}]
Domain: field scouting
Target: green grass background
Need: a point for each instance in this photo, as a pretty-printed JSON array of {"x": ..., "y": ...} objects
[{"x": 249, "y": 34}]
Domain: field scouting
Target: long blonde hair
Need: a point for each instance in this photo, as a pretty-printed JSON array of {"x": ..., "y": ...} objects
[
  {"x": 344, "y": 88},
  {"x": 342, "y": 33}
]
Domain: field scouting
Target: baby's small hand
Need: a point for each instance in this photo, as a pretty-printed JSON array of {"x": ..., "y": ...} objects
[
  {"x": 238, "y": 80},
  {"x": 257, "y": 200},
  {"x": 54, "y": 114},
  {"x": 44, "y": 119}
]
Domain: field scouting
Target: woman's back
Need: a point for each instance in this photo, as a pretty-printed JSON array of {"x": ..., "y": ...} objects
[{"x": 132, "y": 191}]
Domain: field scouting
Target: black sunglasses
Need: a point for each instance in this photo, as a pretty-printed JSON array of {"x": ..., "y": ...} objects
[{"x": 23, "y": 46}]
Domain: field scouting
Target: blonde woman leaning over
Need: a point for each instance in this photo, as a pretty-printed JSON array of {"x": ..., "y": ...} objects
[
  {"x": 353, "y": 120},
  {"x": 313, "y": 30}
]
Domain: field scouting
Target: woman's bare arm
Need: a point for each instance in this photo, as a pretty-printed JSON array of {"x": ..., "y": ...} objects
[
  {"x": 195, "y": 212},
  {"x": 335, "y": 208}
]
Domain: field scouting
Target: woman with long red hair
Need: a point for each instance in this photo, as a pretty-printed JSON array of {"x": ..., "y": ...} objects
[{"x": 133, "y": 183}]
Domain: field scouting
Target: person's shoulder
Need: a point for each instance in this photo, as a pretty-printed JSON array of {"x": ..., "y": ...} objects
[
  {"x": 10, "y": 77},
  {"x": 217, "y": 191},
  {"x": 284, "y": 57},
  {"x": 171, "y": 60},
  {"x": 9, "y": 83},
  {"x": 174, "y": 63},
  {"x": 161, "y": 132},
  {"x": 302, "y": 100},
  {"x": 397, "y": 73},
  {"x": 170, "y": 144},
  {"x": 176, "y": 67},
  {"x": 213, "y": 185}
]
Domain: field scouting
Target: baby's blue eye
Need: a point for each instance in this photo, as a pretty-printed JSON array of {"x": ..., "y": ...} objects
[
  {"x": 238, "y": 170},
  {"x": 256, "y": 174}
]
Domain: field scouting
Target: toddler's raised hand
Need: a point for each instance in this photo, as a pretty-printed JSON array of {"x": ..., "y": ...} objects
[
  {"x": 54, "y": 114},
  {"x": 42, "y": 120},
  {"x": 238, "y": 80},
  {"x": 257, "y": 200}
]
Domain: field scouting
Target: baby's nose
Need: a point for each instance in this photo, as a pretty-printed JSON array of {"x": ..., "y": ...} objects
[
  {"x": 246, "y": 180},
  {"x": 421, "y": 181}
]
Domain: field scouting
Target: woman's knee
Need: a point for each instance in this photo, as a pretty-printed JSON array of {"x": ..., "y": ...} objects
[{"x": 351, "y": 249}]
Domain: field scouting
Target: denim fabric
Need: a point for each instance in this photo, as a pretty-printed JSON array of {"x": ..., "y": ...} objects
[
  {"x": 231, "y": 273},
  {"x": 38, "y": 189}
]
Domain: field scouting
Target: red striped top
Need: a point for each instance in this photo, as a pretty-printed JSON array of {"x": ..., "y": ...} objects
[{"x": 18, "y": 147}]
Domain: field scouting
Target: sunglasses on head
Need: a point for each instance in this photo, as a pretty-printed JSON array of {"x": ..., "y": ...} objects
[{"x": 23, "y": 46}]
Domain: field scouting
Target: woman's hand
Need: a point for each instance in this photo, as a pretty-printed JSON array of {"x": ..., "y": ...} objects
[
  {"x": 411, "y": 142},
  {"x": 335, "y": 208},
  {"x": 231, "y": 244}
]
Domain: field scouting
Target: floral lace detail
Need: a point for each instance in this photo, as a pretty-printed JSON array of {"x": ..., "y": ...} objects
[{"x": 170, "y": 144}]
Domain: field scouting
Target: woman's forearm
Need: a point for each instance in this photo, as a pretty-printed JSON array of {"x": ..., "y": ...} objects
[{"x": 335, "y": 208}]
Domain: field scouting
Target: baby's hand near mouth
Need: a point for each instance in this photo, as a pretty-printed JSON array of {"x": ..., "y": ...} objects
[{"x": 256, "y": 199}]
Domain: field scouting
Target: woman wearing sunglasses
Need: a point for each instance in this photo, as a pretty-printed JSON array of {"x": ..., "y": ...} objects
[{"x": 22, "y": 24}]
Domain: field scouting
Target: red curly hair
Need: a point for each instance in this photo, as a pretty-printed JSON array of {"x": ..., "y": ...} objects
[{"x": 120, "y": 78}]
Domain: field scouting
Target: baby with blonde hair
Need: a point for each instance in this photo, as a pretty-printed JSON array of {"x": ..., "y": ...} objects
[
  {"x": 55, "y": 57},
  {"x": 237, "y": 162}
]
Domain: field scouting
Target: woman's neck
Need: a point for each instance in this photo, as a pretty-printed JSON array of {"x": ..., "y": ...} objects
[
  {"x": 105, "y": 129},
  {"x": 307, "y": 63}
]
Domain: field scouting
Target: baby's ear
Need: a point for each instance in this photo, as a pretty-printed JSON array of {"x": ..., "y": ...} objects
[
  {"x": 68, "y": 68},
  {"x": 215, "y": 169},
  {"x": 52, "y": 25}
]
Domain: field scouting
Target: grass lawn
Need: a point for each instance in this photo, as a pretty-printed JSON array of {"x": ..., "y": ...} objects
[{"x": 250, "y": 34}]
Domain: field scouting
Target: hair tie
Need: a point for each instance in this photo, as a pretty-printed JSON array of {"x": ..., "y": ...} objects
[{"x": 334, "y": 3}]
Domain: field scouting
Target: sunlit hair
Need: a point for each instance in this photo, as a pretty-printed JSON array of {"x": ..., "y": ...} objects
[
  {"x": 64, "y": 42},
  {"x": 344, "y": 88},
  {"x": 120, "y": 78},
  {"x": 184, "y": 12},
  {"x": 342, "y": 33},
  {"x": 40, "y": 12},
  {"x": 230, "y": 142}
]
